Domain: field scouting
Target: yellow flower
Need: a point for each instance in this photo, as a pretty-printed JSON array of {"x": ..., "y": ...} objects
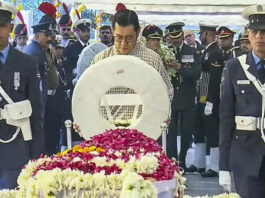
[
  {"x": 63, "y": 153},
  {"x": 99, "y": 150},
  {"x": 92, "y": 148}
]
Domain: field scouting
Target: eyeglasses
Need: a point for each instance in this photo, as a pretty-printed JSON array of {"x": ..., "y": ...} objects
[
  {"x": 257, "y": 31},
  {"x": 66, "y": 29},
  {"x": 127, "y": 39}
]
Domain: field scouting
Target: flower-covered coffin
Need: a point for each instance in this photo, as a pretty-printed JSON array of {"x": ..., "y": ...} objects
[{"x": 118, "y": 163}]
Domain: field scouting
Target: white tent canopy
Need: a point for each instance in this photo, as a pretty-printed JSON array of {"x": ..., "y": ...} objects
[{"x": 226, "y": 12}]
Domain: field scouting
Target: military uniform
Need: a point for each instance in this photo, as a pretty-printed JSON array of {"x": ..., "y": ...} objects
[
  {"x": 242, "y": 142},
  {"x": 207, "y": 123},
  {"x": 236, "y": 52},
  {"x": 65, "y": 22},
  {"x": 55, "y": 113},
  {"x": 223, "y": 34},
  {"x": 20, "y": 31},
  {"x": 18, "y": 78},
  {"x": 34, "y": 49},
  {"x": 184, "y": 84},
  {"x": 46, "y": 25},
  {"x": 212, "y": 65}
]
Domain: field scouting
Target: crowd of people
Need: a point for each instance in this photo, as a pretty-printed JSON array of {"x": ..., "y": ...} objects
[{"x": 213, "y": 101}]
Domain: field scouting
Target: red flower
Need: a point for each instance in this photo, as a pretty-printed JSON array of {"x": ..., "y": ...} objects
[{"x": 125, "y": 141}]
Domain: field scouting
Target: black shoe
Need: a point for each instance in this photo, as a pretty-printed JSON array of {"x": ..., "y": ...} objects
[
  {"x": 183, "y": 166},
  {"x": 193, "y": 169},
  {"x": 201, "y": 170},
  {"x": 209, "y": 173}
]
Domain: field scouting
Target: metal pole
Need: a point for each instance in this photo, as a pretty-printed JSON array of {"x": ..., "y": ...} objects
[
  {"x": 68, "y": 126},
  {"x": 164, "y": 128}
]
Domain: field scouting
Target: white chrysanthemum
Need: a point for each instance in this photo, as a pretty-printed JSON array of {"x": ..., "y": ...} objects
[
  {"x": 8, "y": 194},
  {"x": 99, "y": 180},
  {"x": 100, "y": 161},
  {"x": 148, "y": 164}
]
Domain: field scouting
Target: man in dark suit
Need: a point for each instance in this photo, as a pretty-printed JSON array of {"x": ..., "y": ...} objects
[
  {"x": 18, "y": 77},
  {"x": 188, "y": 69},
  {"x": 242, "y": 138}
]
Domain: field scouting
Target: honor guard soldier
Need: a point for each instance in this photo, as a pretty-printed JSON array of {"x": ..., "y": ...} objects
[
  {"x": 64, "y": 26},
  {"x": 21, "y": 34},
  {"x": 70, "y": 58},
  {"x": 206, "y": 120},
  {"x": 225, "y": 37},
  {"x": 242, "y": 138},
  {"x": 188, "y": 69},
  {"x": 153, "y": 36},
  {"x": 18, "y": 81}
]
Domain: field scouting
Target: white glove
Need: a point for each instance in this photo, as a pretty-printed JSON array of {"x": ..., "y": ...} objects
[
  {"x": 208, "y": 110},
  {"x": 225, "y": 180}
]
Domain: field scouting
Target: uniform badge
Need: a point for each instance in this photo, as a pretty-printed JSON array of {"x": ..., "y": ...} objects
[
  {"x": 259, "y": 8},
  {"x": 47, "y": 67},
  {"x": 206, "y": 56},
  {"x": 16, "y": 80},
  {"x": 187, "y": 59},
  {"x": 242, "y": 82}
]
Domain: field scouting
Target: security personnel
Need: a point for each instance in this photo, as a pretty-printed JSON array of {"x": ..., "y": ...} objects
[
  {"x": 18, "y": 77},
  {"x": 188, "y": 68},
  {"x": 21, "y": 34},
  {"x": 70, "y": 58},
  {"x": 242, "y": 138},
  {"x": 153, "y": 35},
  {"x": 226, "y": 36},
  {"x": 64, "y": 26},
  {"x": 207, "y": 113}
]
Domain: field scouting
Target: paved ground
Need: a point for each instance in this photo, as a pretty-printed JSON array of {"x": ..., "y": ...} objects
[{"x": 197, "y": 185}]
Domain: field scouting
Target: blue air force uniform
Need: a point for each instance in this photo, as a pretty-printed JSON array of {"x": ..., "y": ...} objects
[
  {"x": 18, "y": 78},
  {"x": 242, "y": 149}
]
